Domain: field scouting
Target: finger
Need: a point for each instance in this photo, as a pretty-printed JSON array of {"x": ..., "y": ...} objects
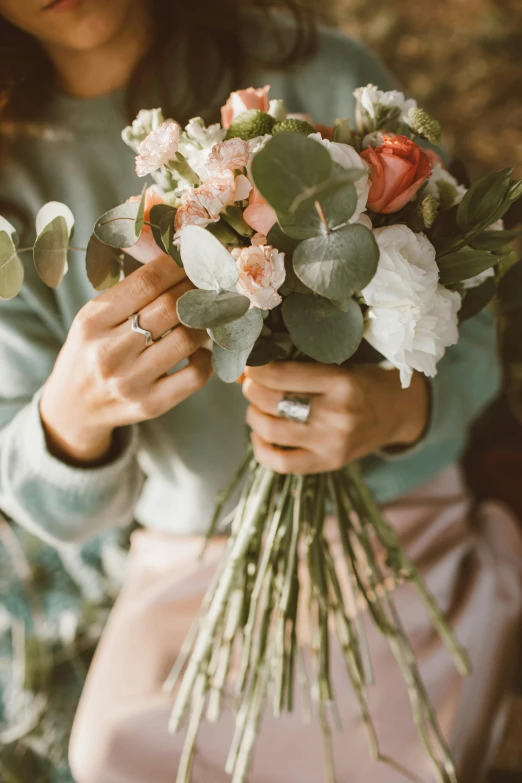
[
  {"x": 308, "y": 377},
  {"x": 168, "y": 352},
  {"x": 173, "y": 389},
  {"x": 261, "y": 396},
  {"x": 299, "y": 461},
  {"x": 280, "y": 432},
  {"x": 158, "y": 317},
  {"x": 131, "y": 295}
]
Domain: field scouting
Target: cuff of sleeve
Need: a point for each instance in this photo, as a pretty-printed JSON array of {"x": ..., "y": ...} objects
[{"x": 68, "y": 477}]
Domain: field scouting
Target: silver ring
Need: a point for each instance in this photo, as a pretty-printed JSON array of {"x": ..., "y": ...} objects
[
  {"x": 295, "y": 407},
  {"x": 137, "y": 328}
]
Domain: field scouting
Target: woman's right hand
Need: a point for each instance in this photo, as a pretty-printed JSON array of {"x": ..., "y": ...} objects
[{"x": 105, "y": 376}]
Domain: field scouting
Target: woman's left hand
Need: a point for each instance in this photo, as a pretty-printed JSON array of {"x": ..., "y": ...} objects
[{"x": 354, "y": 412}]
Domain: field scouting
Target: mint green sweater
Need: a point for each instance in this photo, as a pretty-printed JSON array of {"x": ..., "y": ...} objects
[{"x": 187, "y": 455}]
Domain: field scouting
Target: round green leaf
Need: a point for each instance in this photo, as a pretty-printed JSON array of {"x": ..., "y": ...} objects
[
  {"x": 116, "y": 227},
  {"x": 207, "y": 262},
  {"x": 333, "y": 208},
  {"x": 228, "y": 365},
  {"x": 455, "y": 267},
  {"x": 103, "y": 264},
  {"x": 241, "y": 334},
  {"x": 277, "y": 238},
  {"x": 208, "y": 309},
  {"x": 11, "y": 268},
  {"x": 339, "y": 263},
  {"x": 140, "y": 217},
  {"x": 50, "y": 252},
  {"x": 321, "y": 330},
  {"x": 287, "y": 167},
  {"x": 162, "y": 225}
]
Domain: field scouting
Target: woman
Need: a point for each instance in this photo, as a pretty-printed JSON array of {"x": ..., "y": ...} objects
[{"x": 87, "y": 407}]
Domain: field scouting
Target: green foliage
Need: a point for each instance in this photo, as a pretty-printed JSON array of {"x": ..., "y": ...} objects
[
  {"x": 494, "y": 241},
  {"x": 207, "y": 263},
  {"x": 337, "y": 264},
  {"x": 140, "y": 217},
  {"x": 321, "y": 330},
  {"x": 228, "y": 365},
  {"x": 50, "y": 252},
  {"x": 11, "y": 268},
  {"x": 332, "y": 207},
  {"x": 456, "y": 267},
  {"x": 287, "y": 167},
  {"x": 103, "y": 264},
  {"x": 239, "y": 335},
  {"x": 209, "y": 309},
  {"x": 293, "y": 125},
  {"x": 476, "y": 299},
  {"x": 162, "y": 225},
  {"x": 116, "y": 227},
  {"x": 484, "y": 201},
  {"x": 277, "y": 238},
  {"x": 250, "y": 124}
]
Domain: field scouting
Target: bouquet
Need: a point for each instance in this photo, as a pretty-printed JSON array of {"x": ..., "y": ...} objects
[{"x": 305, "y": 243}]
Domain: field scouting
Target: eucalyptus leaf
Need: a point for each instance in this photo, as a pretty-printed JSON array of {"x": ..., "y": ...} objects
[
  {"x": 476, "y": 299},
  {"x": 493, "y": 241},
  {"x": 339, "y": 178},
  {"x": 276, "y": 237},
  {"x": 207, "y": 262},
  {"x": 11, "y": 268},
  {"x": 209, "y": 309},
  {"x": 52, "y": 210},
  {"x": 103, "y": 264},
  {"x": 50, "y": 252},
  {"x": 292, "y": 284},
  {"x": 483, "y": 199},
  {"x": 337, "y": 264},
  {"x": 239, "y": 335},
  {"x": 140, "y": 217},
  {"x": 321, "y": 330},
  {"x": 228, "y": 365},
  {"x": 161, "y": 219},
  {"x": 287, "y": 167},
  {"x": 455, "y": 267},
  {"x": 8, "y": 227},
  {"x": 332, "y": 208},
  {"x": 116, "y": 227},
  {"x": 269, "y": 350}
]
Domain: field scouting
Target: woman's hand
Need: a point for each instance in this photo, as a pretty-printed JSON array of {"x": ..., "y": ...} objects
[
  {"x": 105, "y": 376},
  {"x": 353, "y": 413}
]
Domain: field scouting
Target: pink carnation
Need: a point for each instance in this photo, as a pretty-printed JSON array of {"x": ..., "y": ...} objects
[
  {"x": 222, "y": 190},
  {"x": 191, "y": 212},
  {"x": 229, "y": 155},
  {"x": 261, "y": 273},
  {"x": 156, "y": 149}
]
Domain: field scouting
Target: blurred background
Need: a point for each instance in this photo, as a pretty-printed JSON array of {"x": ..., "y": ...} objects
[{"x": 462, "y": 60}]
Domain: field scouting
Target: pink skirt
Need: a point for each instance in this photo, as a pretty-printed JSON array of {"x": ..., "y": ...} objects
[{"x": 471, "y": 562}]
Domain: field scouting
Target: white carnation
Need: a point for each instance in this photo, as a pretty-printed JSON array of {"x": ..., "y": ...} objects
[
  {"x": 196, "y": 143},
  {"x": 440, "y": 174},
  {"x": 347, "y": 157},
  {"x": 370, "y": 99},
  {"x": 146, "y": 121},
  {"x": 411, "y": 319}
]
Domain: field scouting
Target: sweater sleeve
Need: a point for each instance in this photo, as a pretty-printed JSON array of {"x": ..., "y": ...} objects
[{"x": 58, "y": 502}]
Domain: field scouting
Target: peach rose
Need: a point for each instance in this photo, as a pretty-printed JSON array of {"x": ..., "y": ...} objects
[
  {"x": 259, "y": 215},
  {"x": 146, "y": 249},
  {"x": 261, "y": 273},
  {"x": 156, "y": 149},
  {"x": 229, "y": 155},
  {"x": 399, "y": 168},
  {"x": 241, "y": 101}
]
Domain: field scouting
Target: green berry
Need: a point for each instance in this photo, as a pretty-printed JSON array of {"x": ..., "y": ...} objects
[
  {"x": 250, "y": 124},
  {"x": 293, "y": 125}
]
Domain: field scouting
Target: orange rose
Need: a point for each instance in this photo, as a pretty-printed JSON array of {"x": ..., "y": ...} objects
[
  {"x": 241, "y": 101},
  {"x": 399, "y": 168},
  {"x": 146, "y": 249}
]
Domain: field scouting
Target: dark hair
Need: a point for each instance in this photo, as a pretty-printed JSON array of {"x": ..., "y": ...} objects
[{"x": 27, "y": 76}]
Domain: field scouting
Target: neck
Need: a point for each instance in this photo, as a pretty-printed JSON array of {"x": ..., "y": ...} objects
[{"x": 98, "y": 71}]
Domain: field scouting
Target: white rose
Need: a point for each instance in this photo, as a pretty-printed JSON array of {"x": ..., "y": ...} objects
[
  {"x": 411, "y": 319},
  {"x": 157, "y": 148},
  {"x": 370, "y": 98},
  {"x": 440, "y": 174},
  {"x": 347, "y": 157},
  {"x": 261, "y": 273}
]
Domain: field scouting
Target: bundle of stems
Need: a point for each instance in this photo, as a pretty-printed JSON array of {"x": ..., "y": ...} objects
[{"x": 244, "y": 649}]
